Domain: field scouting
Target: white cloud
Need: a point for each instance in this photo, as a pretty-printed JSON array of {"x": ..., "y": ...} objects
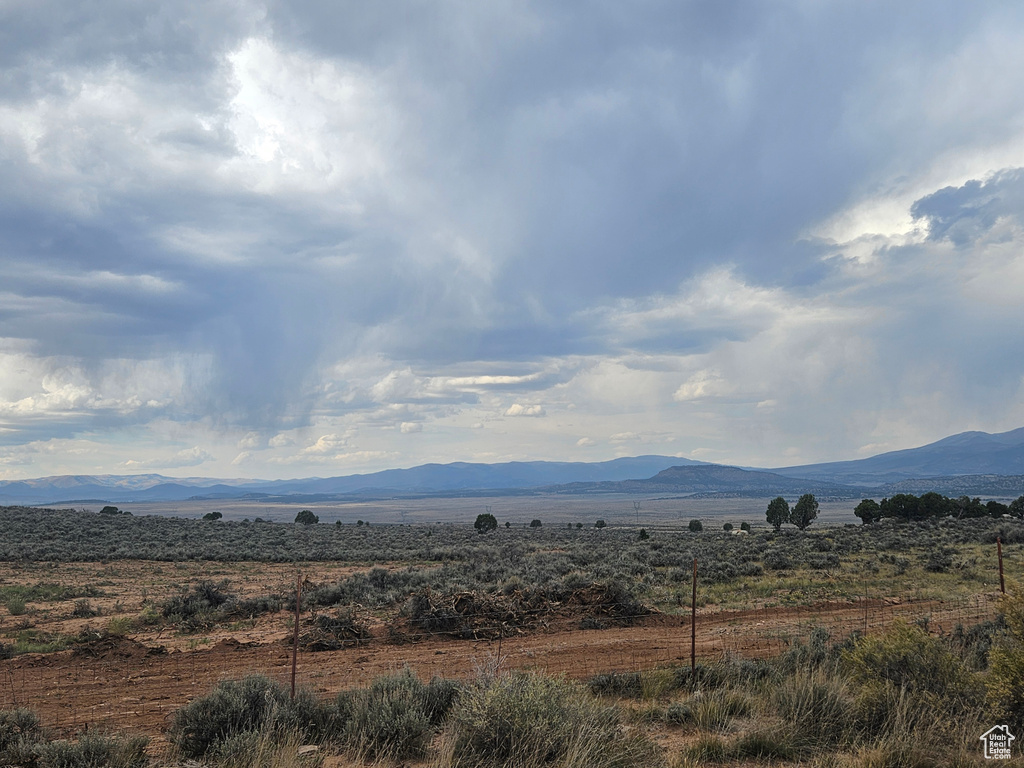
[
  {"x": 518, "y": 409},
  {"x": 409, "y": 427}
]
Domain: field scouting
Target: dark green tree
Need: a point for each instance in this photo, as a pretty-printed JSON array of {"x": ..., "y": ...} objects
[
  {"x": 745, "y": 527},
  {"x": 485, "y": 523},
  {"x": 902, "y": 505},
  {"x": 600, "y": 524},
  {"x": 306, "y": 517},
  {"x": 110, "y": 511},
  {"x": 868, "y": 511},
  {"x": 933, "y": 504},
  {"x": 212, "y": 516},
  {"x": 696, "y": 526},
  {"x": 644, "y": 535},
  {"x": 1017, "y": 507},
  {"x": 778, "y": 512},
  {"x": 727, "y": 527},
  {"x": 995, "y": 509},
  {"x": 805, "y": 511},
  {"x": 535, "y": 523}
]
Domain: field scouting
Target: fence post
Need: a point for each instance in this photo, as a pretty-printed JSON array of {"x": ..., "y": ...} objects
[
  {"x": 693, "y": 624},
  {"x": 295, "y": 636},
  {"x": 999, "y": 551}
]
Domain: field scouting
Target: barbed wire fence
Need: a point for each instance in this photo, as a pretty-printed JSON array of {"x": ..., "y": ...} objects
[{"x": 117, "y": 683}]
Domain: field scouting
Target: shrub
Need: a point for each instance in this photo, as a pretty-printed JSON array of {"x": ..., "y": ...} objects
[
  {"x": 715, "y": 710},
  {"x": 83, "y": 610},
  {"x": 233, "y": 707},
  {"x": 485, "y": 523},
  {"x": 1006, "y": 664},
  {"x": 16, "y": 606},
  {"x": 817, "y": 704},
  {"x": 194, "y": 609},
  {"x": 600, "y": 524},
  {"x": 531, "y": 720},
  {"x": 94, "y": 750},
  {"x": 909, "y": 658},
  {"x": 394, "y": 718},
  {"x": 19, "y": 732},
  {"x": 777, "y": 560}
]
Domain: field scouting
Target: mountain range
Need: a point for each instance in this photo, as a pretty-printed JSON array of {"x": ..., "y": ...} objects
[{"x": 970, "y": 462}]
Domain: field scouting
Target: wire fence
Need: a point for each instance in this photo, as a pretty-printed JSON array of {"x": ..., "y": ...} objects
[{"x": 118, "y": 683}]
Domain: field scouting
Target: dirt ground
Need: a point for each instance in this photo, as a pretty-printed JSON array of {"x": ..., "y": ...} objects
[{"x": 138, "y": 680}]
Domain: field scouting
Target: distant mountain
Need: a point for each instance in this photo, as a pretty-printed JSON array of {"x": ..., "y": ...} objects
[
  {"x": 714, "y": 479},
  {"x": 973, "y": 463},
  {"x": 969, "y": 453},
  {"x": 428, "y": 478}
]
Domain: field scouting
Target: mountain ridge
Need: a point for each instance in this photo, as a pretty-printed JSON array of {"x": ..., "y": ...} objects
[{"x": 969, "y": 462}]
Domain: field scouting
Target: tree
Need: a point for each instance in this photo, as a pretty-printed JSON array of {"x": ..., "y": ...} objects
[
  {"x": 485, "y": 523},
  {"x": 995, "y": 509},
  {"x": 110, "y": 511},
  {"x": 903, "y": 505},
  {"x": 745, "y": 527},
  {"x": 644, "y": 535},
  {"x": 805, "y": 511},
  {"x": 306, "y": 517},
  {"x": 868, "y": 511},
  {"x": 1017, "y": 507},
  {"x": 212, "y": 516},
  {"x": 600, "y": 524},
  {"x": 727, "y": 527},
  {"x": 778, "y": 512},
  {"x": 535, "y": 523},
  {"x": 696, "y": 526}
]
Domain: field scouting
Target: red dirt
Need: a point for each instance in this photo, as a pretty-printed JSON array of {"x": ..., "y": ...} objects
[{"x": 123, "y": 683}]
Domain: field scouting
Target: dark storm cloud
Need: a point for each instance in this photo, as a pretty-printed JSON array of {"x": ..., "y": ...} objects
[
  {"x": 269, "y": 194},
  {"x": 966, "y": 213}
]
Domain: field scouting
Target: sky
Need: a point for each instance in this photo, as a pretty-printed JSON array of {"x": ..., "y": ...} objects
[{"x": 288, "y": 239}]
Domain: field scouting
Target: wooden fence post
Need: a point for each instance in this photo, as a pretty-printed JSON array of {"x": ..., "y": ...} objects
[
  {"x": 295, "y": 636},
  {"x": 693, "y": 624},
  {"x": 999, "y": 551}
]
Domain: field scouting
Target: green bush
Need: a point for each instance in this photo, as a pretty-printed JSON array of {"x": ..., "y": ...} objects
[
  {"x": 19, "y": 733},
  {"x": 16, "y": 606},
  {"x": 527, "y": 720},
  {"x": 909, "y": 658},
  {"x": 715, "y": 710},
  {"x": 395, "y": 717},
  {"x": 817, "y": 704},
  {"x": 696, "y": 526},
  {"x": 94, "y": 750},
  {"x": 1005, "y": 680},
  {"x": 233, "y": 707}
]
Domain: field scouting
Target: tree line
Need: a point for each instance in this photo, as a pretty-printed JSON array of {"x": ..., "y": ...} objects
[{"x": 907, "y": 506}]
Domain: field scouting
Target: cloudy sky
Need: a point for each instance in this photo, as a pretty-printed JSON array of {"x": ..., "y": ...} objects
[{"x": 283, "y": 239}]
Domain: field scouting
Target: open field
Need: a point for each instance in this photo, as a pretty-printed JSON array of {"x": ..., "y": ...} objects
[
  {"x": 103, "y": 637},
  {"x": 615, "y": 509}
]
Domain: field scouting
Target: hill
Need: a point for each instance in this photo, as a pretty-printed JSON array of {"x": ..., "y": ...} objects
[{"x": 968, "y": 453}]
